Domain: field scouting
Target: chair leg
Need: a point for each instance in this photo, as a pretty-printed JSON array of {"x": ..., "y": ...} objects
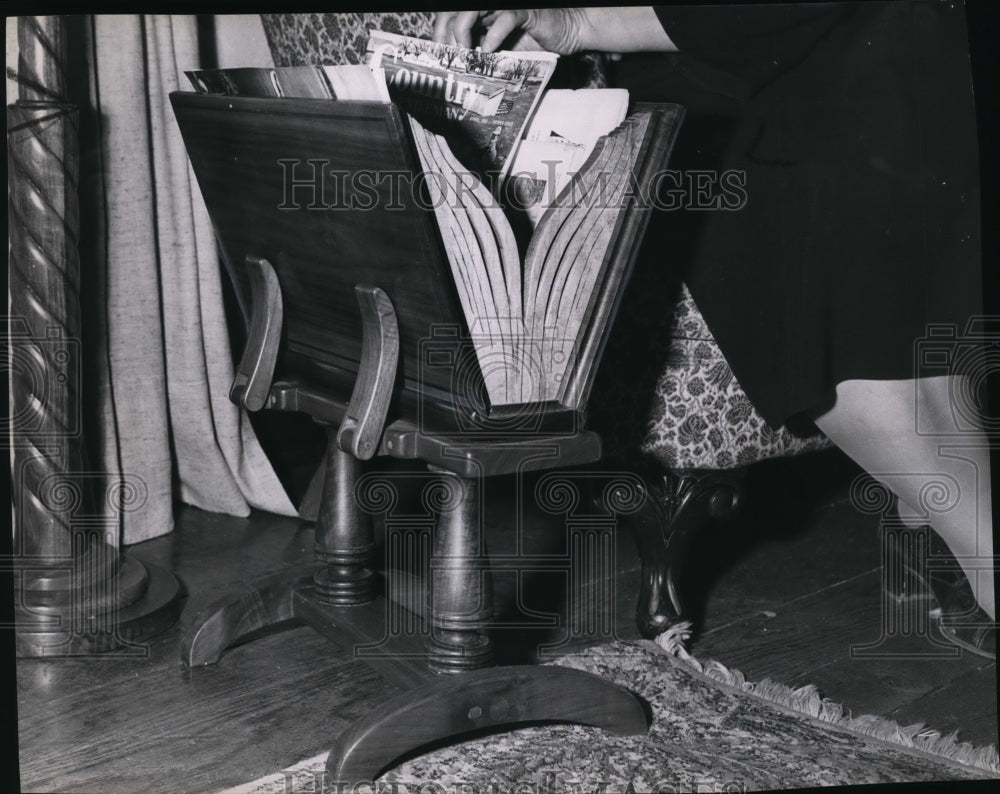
[{"x": 677, "y": 505}]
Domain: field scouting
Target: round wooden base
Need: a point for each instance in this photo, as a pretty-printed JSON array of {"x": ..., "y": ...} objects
[{"x": 81, "y": 625}]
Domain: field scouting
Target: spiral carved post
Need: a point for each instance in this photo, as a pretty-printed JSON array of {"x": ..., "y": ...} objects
[{"x": 75, "y": 593}]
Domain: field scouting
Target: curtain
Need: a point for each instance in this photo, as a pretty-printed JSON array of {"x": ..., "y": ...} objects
[{"x": 162, "y": 423}]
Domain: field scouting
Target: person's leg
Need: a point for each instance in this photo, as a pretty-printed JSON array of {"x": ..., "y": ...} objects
[{"x": 940, "y": 474}]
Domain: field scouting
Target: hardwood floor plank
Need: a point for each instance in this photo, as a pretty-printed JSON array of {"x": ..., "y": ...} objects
[
  {"x": 963, "y": 702},
  {"x": 265, "y": 705},
  {"x": 795, "y": 606},
  {"x": 783, "y": 592}
]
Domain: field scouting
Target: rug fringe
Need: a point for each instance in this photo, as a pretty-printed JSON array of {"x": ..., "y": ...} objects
[{"x": 807, "y": 700}]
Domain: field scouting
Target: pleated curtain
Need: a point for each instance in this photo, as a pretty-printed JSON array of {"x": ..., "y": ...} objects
[{"x": 155, "y": 329}]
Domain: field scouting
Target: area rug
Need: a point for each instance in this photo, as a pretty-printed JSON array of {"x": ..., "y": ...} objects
[{"x": 711, "y": 731}]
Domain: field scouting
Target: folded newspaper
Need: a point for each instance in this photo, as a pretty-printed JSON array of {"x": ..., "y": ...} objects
[{"x": 487, "y": 97}]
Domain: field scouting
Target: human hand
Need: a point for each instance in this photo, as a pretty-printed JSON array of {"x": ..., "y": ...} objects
[{"x": 560, "y": 30}]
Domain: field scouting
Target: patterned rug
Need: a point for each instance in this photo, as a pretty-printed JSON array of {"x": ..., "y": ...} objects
[{"x": 711, "y": 731}]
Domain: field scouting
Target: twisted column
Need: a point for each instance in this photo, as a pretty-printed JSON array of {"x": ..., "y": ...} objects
[
  {"x": 41, "y": 58},
  {"x": 74, "y": 589},
  {"x": 43, "y": 213}
]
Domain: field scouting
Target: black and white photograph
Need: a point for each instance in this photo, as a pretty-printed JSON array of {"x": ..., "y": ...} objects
[{"x": 584, "y": 400}]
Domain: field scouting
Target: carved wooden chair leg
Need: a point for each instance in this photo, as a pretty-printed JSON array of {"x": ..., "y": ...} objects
[{"x": 677, "y": 505}]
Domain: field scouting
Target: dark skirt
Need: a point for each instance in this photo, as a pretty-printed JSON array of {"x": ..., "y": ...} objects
[{"x": 852, "y": 129}]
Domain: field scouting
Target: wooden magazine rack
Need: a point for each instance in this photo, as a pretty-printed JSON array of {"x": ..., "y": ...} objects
[{"x": 353, "y": 319}]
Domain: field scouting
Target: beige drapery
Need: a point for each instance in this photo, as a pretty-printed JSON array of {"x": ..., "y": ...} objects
[{"x": 160, "y": 379}]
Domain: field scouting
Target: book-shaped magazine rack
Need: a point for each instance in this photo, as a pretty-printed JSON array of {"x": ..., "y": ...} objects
[{"x": 387, "y": 297}]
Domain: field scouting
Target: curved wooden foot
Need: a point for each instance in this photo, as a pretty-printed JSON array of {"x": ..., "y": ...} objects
[
  {"x": 477, "y": 700},
  {"x": 677, "y": 506},
  {"x": 226, "y": 621}
]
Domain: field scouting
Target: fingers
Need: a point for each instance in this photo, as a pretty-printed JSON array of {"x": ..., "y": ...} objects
[
  {"x": 504, "y": 23},
  {"x": 455, "y": 27},
  {"x": 442, "y": 22}
]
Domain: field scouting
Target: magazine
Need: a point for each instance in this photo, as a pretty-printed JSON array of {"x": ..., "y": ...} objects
[
  {"x": 345, "y": 82},
  {"x": 560, "y": 138},
  {"x": 534, "y": 295},
  {"x": 481, "y": 100}
]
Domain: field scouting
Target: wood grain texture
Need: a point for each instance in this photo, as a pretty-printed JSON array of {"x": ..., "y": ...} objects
[
  {"x": 456, "y": 262},
  {"x": 361, "y": 430},
  {"x": 653, "y": 157},
  {"x": 475, "y": 701},
  {"x": 255, "y": 372},
  {"x": 148, "y": 724},
  {"x": 41, "y": 59},
  {"x": 43, "y": 211},
  {"x": 463, "y": 245},
  {"x": 799, "y": 623},
  {"x": 228, "y": 621},
  {"x": 76, "y": 594},
  {"x": 145, "y": 722},
  {"x": 472, "y": 456},
  {"x": 288, "y": 161},
  {"x": 461, "y": 586},
  {"x": 363, "y": 633},
  {"x": 345, "y": 539}
]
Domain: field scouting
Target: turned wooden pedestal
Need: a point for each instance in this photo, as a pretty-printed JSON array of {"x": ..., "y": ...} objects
[
  {"x": 447, "y": 669},
  {"x": 452, "y": 687}
]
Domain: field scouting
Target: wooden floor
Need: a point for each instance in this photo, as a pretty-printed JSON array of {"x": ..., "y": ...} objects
[{"x": 790, "y": 590}]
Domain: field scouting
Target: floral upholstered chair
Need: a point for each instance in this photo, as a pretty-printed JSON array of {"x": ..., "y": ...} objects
[
  {"x": 701, "y": 434},
  {"x": 700, "y": 418}
]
